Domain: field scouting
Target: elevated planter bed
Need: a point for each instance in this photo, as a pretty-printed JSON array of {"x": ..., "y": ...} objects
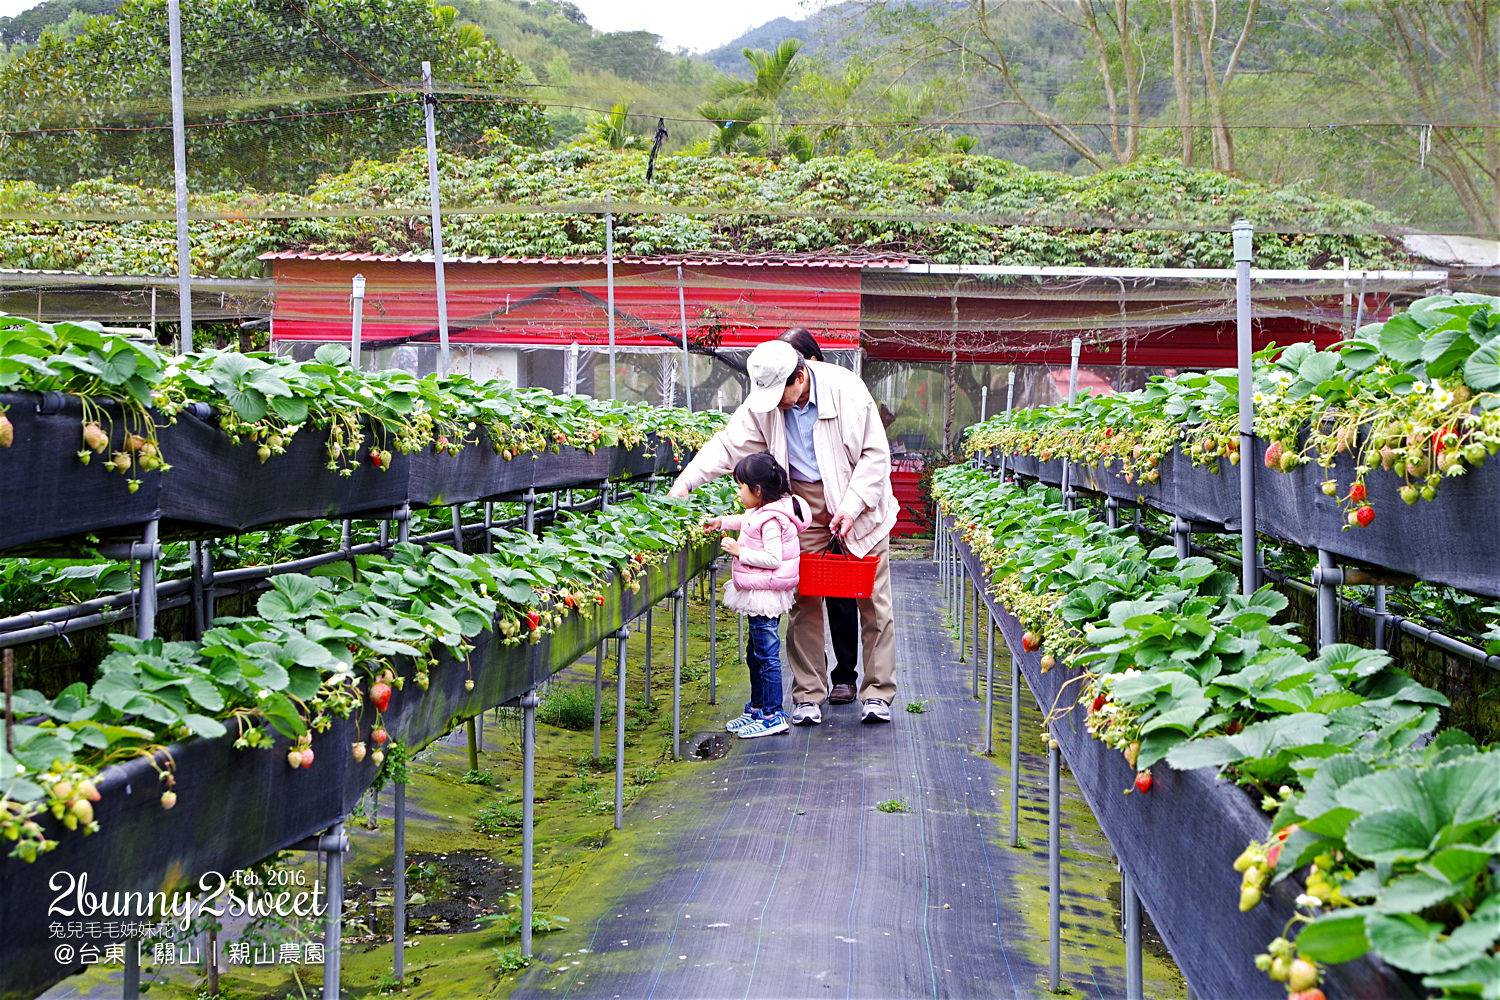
[
  {"x": 236, "y": 807},
  {"x": 47, "y": 493},
  {"x": 1177, "y": 844},
  {"x": 476, "y": 473},
  {"x": 640, "y": 461},
  {"x": 571, "y": 467},
  {"x": 215, "y": 484},
  {"x": 1417, "y": 540}
]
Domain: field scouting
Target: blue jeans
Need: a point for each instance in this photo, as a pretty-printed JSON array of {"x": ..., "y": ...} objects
[{"x": 763, "y": 657}]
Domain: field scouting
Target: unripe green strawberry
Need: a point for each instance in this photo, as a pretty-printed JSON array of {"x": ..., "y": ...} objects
[
  {"x": 7, "y": 432},
  {"x": 377, "y": 757},
  {"x": 1302, "y": 974},
  {"x": 357, "y": 751},
  {"x": 1410, "y": 494},
  {"x": 121, "y": 461},
  {"x": 263, "y": 452},
  {"x": 1249, "y": 900},
  {"x": 1289, "y": 460},
  {"x": 1330, "y": 487},
  {"x": 83, "y": 809},
  {"x": 94, "y": 437},
  {"x": 1429, "y": 492},
  {"x": 294, "y": 758}
]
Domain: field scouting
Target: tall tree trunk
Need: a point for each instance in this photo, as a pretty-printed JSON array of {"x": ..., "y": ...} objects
[
  {"x": 1223, "y": 146},
  {"x": 1182, "y": 81}
]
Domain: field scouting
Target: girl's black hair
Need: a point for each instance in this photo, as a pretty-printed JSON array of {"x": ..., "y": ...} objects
[{"x": 764, "y": 475}]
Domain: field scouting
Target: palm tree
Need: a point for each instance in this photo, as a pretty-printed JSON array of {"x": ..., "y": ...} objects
[
  {"x": 754, "y": 100},
  {"x": 613, "y": 129}
]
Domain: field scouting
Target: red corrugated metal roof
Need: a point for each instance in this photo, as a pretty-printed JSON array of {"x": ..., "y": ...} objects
[{"x": 694, "y": 260}]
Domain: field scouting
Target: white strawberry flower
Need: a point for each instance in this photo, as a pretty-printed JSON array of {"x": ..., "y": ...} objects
[{"x": 1309, "y": 902}]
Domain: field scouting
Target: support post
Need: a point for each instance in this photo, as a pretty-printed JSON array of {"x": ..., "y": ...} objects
[
  {"x": 646, "y": 698},
  {"x": 528, "y": 501},
  {"x": 1015, "y": 753},
  {"x": 1111, "y": 513},
  {"x": 179, "y": 182},
  {"x": 1131, "y": 904},
  {"x": 429, "y": 102},
  {"x": 978, "y": 601},
  {"x": 713, "y": 632},
  {"x": 333, "y": 932},
  {"x": 145, "y": 624},
  {"x": 472, "y": 732},
  {"x": 1010, "y": 398},
  {"x": 398, "y": 887},
  {"x": 1054, "y": 867},
  {"x": 1328, "y": 600},
  {"x": 989, "y": 686},
  {"x": 598, "y": 694},
  {"x": 196, "y": 553},
  {"x": 679, "y": 650},
  {"x": 687, "y": 364},
  {"x": 1380, "y": 616},
  {"x": 620, "y": 653},
  {"x": 1243, "y": 235},
  {"x": 1182, "y": 537},
  {"x": 529, "y": 702},
  {"x": 609, "y": 283},
  {"x": 357, "y": 321},
  {"x": 1067, "y": 466}
]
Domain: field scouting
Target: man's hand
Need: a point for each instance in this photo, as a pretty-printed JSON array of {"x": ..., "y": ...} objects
[
  {"x": 730, "y": 545},
  {"x": 677, "y": 491},
  {"x": 840, "y": 523}
]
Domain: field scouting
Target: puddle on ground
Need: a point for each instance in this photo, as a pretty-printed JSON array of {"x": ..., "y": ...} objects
[{"x": 706, "y": 746}]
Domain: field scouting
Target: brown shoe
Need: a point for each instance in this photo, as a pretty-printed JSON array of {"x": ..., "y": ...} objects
[{"x": 842, "y": 694}]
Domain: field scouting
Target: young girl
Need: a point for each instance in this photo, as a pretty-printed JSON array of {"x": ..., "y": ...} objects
[{"x": 763, "y": 583}]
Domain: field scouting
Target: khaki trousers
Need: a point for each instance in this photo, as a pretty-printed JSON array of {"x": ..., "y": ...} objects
[{"x": 805, "y": 635}]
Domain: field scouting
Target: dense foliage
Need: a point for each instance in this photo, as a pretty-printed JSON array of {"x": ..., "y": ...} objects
[
  {"x": 954, "y": 208},
  {"x": 1394, "y": 832},
  {"x": 279, "y": 93}
]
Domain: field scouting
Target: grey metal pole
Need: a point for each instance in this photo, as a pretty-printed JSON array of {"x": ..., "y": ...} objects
[
  {"x": 1182, "y": 537},
  {"x": 333, "y": 932},
  {"x": 1111, "y": 513},
  {"x": 403, "y": 523},
  {"x": 1015, "y": 753},
  {"x": 620, "y": 653},
  {"x": 1328, "y": 601},
  {"x": 1131, "y": 904},
  {"x": 528, "y": 500},
  {"x": 199, "y": 620},
  {"x": 609, "y": 288},
  {"x": 1067, "y": 466},
  {"x": 598, "y": 694},
  {"x": 646, "y": 698},
  {"x": 357, "y": 323},
  {"x": 1380, "y": 613},
  {"x": 984, "y": 401},
  {"x": 1010, "y": 398},
  {"x": 1054, "y": 866},
  {"x": 430, "y": 104},
  {"x": 713, "y": 632},
  {"x": 145, "y": 623},
  {"x": 679, "y": 649},
  {"x": 529, "y": 702},
  {"x": 1243, "y": 236},
  {"x": 989, "y": 686},
  {"x": 398, "y": 887},
  {"x": 179, "y": 181},
  {"x": 687, "y": 365},
  {"x": 975, "y": 646}
]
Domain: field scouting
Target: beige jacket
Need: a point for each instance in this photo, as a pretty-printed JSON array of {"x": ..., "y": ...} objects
[{"x": 854, "y": 457}]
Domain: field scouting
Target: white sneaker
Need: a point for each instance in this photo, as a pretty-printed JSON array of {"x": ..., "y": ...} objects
[
  {"x": 875, "y": 710},
  {"x": 741, "y": 721},
  {"x": 770, "y": 725},
  {"x": 806, "y": 714}
]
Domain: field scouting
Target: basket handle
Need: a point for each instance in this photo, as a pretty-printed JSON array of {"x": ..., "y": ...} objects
[{"x": 836, "y": 548}]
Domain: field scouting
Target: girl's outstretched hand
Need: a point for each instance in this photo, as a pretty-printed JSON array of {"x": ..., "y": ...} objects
[
  {"x": 731, "y": 546},
  {"x": 713, "y": 524}
]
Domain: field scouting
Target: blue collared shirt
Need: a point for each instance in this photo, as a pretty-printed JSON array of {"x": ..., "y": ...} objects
[{"x": 800, "y": 421}]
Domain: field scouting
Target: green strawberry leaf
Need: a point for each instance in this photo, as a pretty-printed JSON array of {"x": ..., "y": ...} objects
[{"x": 1335, "y": 937}]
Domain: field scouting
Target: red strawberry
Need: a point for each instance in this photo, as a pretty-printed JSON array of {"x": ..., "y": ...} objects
[
  {"x": 1365, "y": 515},
  {"x": 1273, "y": 455},
  {"x": 533, "y": 620},
  {"x": 380, "y": 695},
  {"x": 1030, "y": 641},
  {"x": 307, "y": 757},
  {"x": 1143, "y": 781},
  {"x": 1357, "y": 492},
  {"x": 1312, "y": 994},
  {"x": 375, "y": 458},
  {"x": 1272, "y": 853},
  {"x": 599, "y": 599},
  {"x": 1099, "y": 702},
  {"x": 569, "y": 600},
  {"x": 378, "y": 736}
]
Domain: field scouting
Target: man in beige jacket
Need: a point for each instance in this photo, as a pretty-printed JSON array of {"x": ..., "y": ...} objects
[{"x": 821, "y": 424}]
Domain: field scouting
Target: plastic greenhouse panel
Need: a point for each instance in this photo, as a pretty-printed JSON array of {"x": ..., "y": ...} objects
[
  {"x": 236, "y": 807},
  {"x": 1177, "y": 843},
  {"x": 47, "y": 493}
]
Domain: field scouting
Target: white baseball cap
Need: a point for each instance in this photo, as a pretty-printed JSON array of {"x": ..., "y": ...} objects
[{"x": 769, "y": 365}]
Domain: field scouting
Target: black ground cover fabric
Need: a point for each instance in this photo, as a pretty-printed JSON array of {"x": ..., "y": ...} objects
[
  {"x": 476, "y": 473},
  {"x": 235, "y": 807},
  {"x": 1177, "y": 843}
]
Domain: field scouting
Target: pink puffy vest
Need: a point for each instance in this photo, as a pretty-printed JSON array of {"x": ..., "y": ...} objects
[{"x": 792, "y": 523}]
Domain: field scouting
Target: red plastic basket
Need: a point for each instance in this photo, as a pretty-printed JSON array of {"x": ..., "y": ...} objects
[{"x": 836, "y": 573}]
